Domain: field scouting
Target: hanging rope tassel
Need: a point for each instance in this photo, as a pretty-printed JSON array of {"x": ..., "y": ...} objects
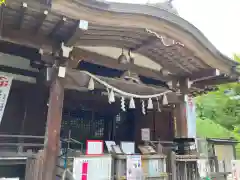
[
  {"x": 131, "y": 103},
  {"x": 143, "y": 107},
  {"x": 158, "y": 105},
  {"x": 150, "y": 104},
  {"x": 123, "y": 104}
]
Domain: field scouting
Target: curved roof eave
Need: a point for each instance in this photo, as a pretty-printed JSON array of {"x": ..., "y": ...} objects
[{"x": 144, "y": 16}]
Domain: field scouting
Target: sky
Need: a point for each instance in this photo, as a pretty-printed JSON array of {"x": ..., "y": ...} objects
[{"x": 219, "y": 20}]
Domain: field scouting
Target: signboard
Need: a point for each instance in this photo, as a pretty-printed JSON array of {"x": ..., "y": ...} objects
[
  {"x": 110, "y": 145},
  {"x": 191, "y": 116},
  {"x": 145, "y": 134},
  {"x": 153, "y": 168},
  {"x": 235, "y": 169},
  {"x": 80, "y": 169},
  {"x": 134, "y": 167},
  {"x": 92, "y": 168},
  {"x": 5, "y": 85},
  {"x": 94, "y": 147},
  {"x": 128, "y": 147}
]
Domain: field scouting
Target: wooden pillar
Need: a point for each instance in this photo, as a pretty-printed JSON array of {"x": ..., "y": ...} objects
[
  {"x": 181, "y": 120},
  {"x": 54, "y": 119},
  {"x": 52, "y": 139},
  {"x": 180, "y": 110}
]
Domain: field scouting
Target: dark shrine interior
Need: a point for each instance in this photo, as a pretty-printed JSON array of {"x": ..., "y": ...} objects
[{"x": 87, "y": 115}]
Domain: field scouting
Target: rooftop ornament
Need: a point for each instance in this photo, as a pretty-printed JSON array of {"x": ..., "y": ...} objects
[{"x": 165, "y": 40}]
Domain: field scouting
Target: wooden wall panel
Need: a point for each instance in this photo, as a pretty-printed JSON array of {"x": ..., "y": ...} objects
[
  {"x": 160, "y": 123},
  {"x": 25, "y": 111},
  {"x": 164, "y": 125},
  {"x": 143, "y": 121},
  {"x": 14, "y": 112},
  {"x": 28, "y": 104}
]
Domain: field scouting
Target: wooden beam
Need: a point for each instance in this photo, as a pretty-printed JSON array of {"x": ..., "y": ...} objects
[
  {"x": 95, "y": 58},
  {"x": 120, "y": 37},
  {"x": 150, "y": 41},
  {"x": 73, "y": 37},
  {"x": 27, "y": 38},
  {"x": 21, "y": 78},
  {"x": 20, "y": 21},
  {"x": 214, "y": 81},
  {"x": 105, "y": 32},
  {"x": 11, "y": 53},
  {"x": 204, "y": 75},
  {"x": 2, "y": 7},
  {"x": 18, "y": 71},
  {"x": 99, "y": 42},
  {"x": 40, "y": 21},
  {"x": 57, "y": 27}
]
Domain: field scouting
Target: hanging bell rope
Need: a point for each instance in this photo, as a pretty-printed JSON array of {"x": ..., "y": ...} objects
[{"x": 123, "y": 93}]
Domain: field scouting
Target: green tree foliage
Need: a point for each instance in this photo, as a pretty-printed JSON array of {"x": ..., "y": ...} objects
[
  {"x": 222, "y": 106},
  {"x": 219, "y": 113},
  {"x": 208, "y": 128}
]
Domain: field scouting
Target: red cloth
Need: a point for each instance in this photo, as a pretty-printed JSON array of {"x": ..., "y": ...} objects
[{"x": 84, "y": 170}]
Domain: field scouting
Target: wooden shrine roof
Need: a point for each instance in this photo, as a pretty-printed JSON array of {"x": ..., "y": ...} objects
[{"x": 156, "y": 33}]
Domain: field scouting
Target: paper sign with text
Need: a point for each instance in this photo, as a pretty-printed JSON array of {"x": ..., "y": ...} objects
[{"x": 5, "y": 86}]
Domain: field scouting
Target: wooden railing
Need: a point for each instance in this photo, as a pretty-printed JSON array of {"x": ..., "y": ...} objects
[
  {"x": 34, "y": 168},
  {"x": 20, "y": 144},
  {"x": 31, "y": 148}
]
